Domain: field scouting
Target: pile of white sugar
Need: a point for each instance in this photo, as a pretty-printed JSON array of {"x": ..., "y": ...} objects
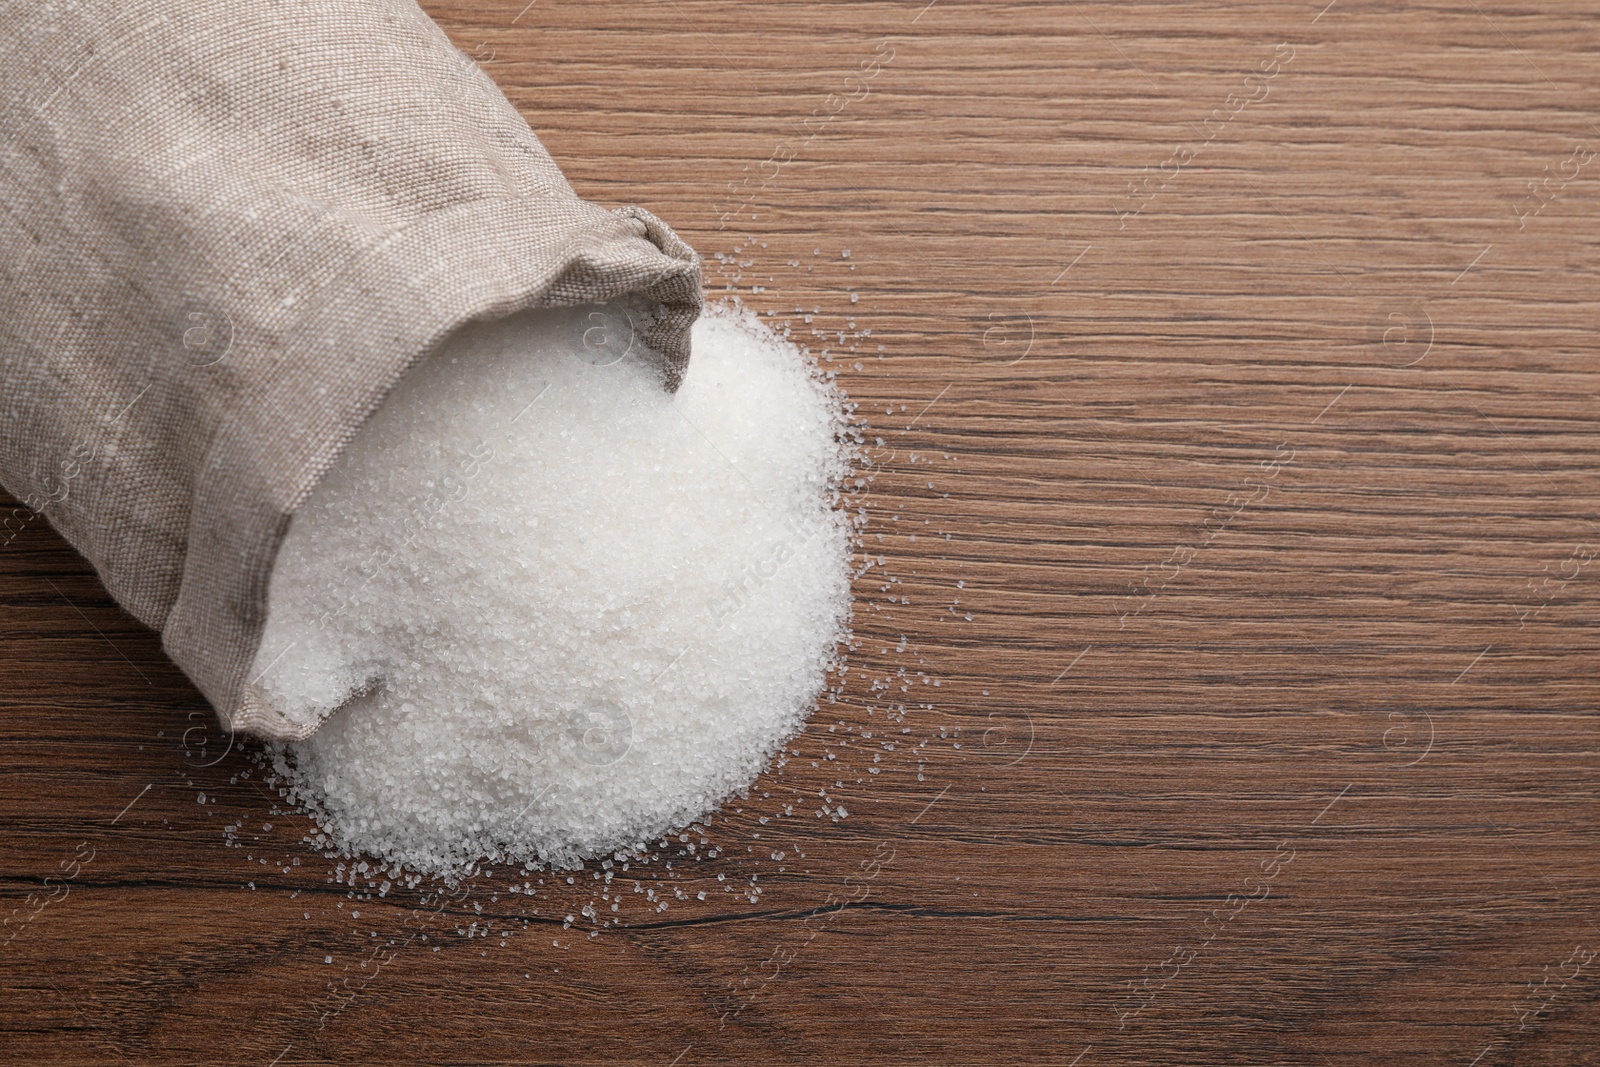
[{"x": 546, "y": 611}]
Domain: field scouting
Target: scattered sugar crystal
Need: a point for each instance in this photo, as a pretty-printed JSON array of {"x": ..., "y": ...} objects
[{"x": 545, "y": 611}]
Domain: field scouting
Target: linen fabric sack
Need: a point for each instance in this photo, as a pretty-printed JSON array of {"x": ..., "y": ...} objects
[{"x": 227, "y": 228}]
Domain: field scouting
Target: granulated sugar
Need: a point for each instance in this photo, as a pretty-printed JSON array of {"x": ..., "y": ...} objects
[{"x": 547, "y": 610}]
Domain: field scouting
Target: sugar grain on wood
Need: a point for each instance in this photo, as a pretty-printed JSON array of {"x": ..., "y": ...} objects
[{"x": 543, "y": 610}]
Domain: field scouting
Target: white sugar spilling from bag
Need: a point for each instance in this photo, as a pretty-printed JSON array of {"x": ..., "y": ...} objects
[{"x": 550, "y": 612}]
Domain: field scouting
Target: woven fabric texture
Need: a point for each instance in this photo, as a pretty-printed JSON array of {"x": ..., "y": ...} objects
[{"x": 227, "y": 228}]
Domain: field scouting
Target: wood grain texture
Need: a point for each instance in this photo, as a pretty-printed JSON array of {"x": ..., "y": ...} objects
[{"x": 1234, "y": 485}]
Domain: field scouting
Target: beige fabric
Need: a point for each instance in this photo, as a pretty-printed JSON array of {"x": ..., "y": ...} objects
[{"x": 227, "y": 227}]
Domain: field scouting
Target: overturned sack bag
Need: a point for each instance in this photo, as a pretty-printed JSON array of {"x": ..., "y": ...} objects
[{"x": 229, "y": 228}]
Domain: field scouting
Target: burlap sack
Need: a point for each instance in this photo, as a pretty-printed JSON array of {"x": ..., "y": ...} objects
[{"x": 227, "y": 227}]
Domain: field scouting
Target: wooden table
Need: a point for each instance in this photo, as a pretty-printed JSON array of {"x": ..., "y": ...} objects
[{"x": 1230, "y": 377}]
